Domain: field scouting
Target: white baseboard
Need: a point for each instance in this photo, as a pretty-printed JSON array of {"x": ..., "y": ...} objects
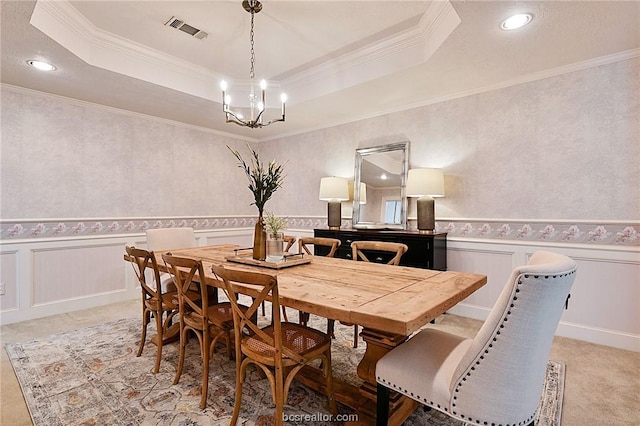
[{"x": 65, "y": 306}]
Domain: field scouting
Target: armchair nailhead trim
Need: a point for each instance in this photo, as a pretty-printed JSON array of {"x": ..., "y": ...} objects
[
  {"x": 406, "y": 392},
  {"x": 473, "y": 368}
]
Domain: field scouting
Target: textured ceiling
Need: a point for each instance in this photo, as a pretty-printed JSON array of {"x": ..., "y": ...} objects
[{"x": 338, "y": 61}]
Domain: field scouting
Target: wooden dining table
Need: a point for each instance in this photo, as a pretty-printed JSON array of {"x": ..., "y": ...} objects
[{"x": 388, "y": 302}]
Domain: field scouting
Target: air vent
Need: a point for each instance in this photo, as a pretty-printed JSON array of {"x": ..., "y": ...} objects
[{"x": 184, "y": 27}]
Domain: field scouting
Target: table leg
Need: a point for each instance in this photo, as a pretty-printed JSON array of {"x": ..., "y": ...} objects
[
  {"x": 363, "y": 399},
  {"x": 378, "y": 344}
]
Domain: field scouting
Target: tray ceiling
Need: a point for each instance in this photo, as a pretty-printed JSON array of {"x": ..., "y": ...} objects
[{"x": 338, "y": 61}]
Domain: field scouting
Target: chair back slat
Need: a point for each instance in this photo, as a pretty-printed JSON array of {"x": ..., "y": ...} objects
[
  {"x": 290, "y": 240},
  {"x": 184, "y": 271},
  {"x": 360, "y": 247},
  {"x": 141, "y": 260},
  {"x": 332, "y": 243}
]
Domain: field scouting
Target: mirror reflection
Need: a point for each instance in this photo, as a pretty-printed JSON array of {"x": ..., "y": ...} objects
[{"x": 379, "y": 187}]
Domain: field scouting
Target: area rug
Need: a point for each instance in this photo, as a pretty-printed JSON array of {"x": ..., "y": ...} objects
[{"x": 91, "y": 376}]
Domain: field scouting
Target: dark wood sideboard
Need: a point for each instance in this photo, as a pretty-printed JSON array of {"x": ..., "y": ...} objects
[{"x": 427, "y": 251}]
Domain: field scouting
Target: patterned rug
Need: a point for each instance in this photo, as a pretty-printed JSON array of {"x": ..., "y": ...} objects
[{"x": 92, "y": 377}]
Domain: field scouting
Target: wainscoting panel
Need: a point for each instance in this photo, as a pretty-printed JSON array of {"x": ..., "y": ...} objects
[
  {"x": 241, "y": 237},
  {"x": 82, "y": 271},
  {"x": 603, "y": 307},
  {"x": 605, "y": 286},
  {"x": 54, "y": 275},
  {"x": 8, "y": 277},
  {"x": 494, "y": 264}
]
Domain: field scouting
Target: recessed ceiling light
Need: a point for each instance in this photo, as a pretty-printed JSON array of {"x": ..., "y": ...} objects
[
  {"x": 42, "y": 66},
  {"x": 516, "y": 21}
]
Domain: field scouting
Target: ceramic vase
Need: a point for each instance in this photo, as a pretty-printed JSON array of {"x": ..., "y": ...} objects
[{"x": 259, "y": 240}]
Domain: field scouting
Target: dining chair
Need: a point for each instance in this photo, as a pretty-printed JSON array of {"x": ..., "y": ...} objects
[
  {"x": 378, "y": 252},
  {"x": 497, "y": 377},
  {"x": 155, "y": 302},
  {"x": 280, "y": 349},
  {"x": 209, "y": 321},
  {"x": 329, "y": 245},
  {"x": 162, "y": 240}
]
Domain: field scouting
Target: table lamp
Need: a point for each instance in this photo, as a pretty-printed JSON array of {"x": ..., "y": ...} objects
[
  {"x": 334, "y": 190},
  {"x": 425, "y": 183}
]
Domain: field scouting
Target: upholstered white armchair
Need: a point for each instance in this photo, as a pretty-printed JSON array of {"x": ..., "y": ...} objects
[
  {"x": 163, "y": 239},
  {"x": 497, "y": 377}
]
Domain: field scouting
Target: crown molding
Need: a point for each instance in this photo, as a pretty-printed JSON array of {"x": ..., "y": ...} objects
[
  {"x": 397, "y": 52},
  {"x": 63, "y": 23}
]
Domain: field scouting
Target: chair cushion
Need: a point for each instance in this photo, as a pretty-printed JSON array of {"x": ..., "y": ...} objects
[
  {"x": 424, "y": 364},
  {"x": 300, "y": 339},
  {"x": 169, "y": 302}
]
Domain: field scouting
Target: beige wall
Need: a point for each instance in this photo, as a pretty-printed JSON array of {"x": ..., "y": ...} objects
[
  {"x": 62, "y": 158},
  {"x": 565, "y": 147}
]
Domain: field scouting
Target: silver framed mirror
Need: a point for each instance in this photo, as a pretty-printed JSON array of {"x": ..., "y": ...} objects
[{"x": 379, "y": 196}]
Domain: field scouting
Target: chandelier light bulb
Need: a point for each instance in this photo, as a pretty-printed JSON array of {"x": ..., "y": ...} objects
[
  {"x": 283, "y": 98},
  {"x": 256, "y": 101}
]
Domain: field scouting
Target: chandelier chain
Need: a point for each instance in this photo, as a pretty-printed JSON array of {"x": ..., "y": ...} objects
[{"x": 253, "y": 54}]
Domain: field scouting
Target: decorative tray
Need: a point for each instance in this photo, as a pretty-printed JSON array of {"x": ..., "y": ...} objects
[{"x": 288, "y": 261}]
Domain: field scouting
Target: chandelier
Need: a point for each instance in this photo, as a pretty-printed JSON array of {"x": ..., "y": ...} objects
[{"x": 257, "y": 105}]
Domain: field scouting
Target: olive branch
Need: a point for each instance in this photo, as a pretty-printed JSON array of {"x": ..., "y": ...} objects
[{"x": 263, "y": 181}]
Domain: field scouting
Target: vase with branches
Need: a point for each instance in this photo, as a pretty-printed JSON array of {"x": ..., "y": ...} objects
[{"x": 264, "y": 180}]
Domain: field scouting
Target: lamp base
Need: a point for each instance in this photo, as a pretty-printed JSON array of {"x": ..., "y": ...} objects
[
  {"x": 426, "y": 215},
  {"x": 334, "y": 214}
]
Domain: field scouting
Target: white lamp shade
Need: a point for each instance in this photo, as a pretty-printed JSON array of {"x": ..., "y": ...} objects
[
  {"x": 334, "y": 189},
  {"x": 363, "y": 192},
  {"x": 421, "y": 182}
]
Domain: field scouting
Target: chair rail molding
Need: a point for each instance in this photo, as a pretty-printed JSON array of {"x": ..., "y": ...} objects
[
  {"x": 582, "y": 232},
  {"x": 576, "y": 232}
]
